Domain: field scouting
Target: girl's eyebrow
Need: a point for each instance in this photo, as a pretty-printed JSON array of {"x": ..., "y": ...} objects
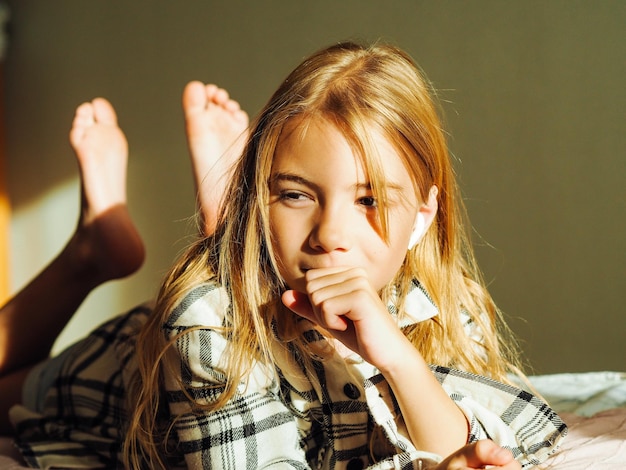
[{"x": 293, "y": 178}]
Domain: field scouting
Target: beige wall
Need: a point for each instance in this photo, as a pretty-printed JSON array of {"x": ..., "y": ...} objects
[{"x": 534, "y": 98}]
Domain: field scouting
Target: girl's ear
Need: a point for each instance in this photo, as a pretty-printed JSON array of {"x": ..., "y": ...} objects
[{"x": 425, "y": 216}]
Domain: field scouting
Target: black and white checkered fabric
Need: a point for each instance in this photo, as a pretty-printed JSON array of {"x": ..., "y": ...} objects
[
  {"x": 284, "y": 420},
  {"x": 326, "y": 421}
]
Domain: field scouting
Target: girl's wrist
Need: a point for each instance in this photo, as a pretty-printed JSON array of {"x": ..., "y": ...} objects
[{"x": 405, "y": 357}]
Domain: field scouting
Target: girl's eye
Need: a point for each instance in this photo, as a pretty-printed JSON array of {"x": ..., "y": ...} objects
[
  {"x": 368, "y": 201},
  {"x": 292, "y": 196}
]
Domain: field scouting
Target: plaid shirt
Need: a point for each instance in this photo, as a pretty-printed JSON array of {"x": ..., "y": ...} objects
[
  {"x": 327, "y": 421},
  {"x": 345, "y": 417}
]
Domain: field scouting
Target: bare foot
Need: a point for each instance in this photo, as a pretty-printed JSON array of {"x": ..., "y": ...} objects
[
  {"x": 216, "y": 129},
  {"x": 106, "y": 243}
]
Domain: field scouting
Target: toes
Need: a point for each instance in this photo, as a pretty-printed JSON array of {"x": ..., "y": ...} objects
[
  {"x": 210, "y": 89},
  {"x": 84, "y": 115},
  {"x": 97, "y": 112},
  {"x": 103, "y": 112},
  {"x": 232, "y": 106},
  {"x": 83, "y": 118},
  {"x": 194, "y": 96},
  {"x": 199, "y": 97},
  {"x": 219, "y": 96}
]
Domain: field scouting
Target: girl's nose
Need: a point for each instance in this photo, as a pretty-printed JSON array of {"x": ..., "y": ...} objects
[{"x": 331, "y": 232}]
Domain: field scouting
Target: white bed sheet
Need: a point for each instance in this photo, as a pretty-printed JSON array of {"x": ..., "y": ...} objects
[
  {"x": 593, "y": 405},
  {"x": 584, "y": 394},
  {"x": 597, "y": 442}
]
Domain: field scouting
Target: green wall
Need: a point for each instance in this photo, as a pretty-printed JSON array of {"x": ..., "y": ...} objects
[{"x": 534, "y": 101}]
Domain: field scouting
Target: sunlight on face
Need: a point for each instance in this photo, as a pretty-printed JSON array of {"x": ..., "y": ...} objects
[{"x": 323, "y": 212}]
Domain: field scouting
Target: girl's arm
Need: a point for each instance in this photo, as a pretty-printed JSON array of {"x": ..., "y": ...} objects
[
  {"x": 435, "y": 423},
  {"x": 342, "y": 301}
]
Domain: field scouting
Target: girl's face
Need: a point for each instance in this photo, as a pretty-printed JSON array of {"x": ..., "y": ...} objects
[{"x": 323, "y": 212}]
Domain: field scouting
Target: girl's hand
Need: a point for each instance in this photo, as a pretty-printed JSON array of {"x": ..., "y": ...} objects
[
  {"x": 481, "y": 454},
  {"x": 342, "y": 301}
]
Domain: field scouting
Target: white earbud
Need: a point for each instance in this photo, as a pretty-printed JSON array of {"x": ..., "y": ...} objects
[{"x": 418, "y": 230}]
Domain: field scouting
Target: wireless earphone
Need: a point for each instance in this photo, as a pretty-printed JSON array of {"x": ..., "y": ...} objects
[{"x": 418, "y": 230}]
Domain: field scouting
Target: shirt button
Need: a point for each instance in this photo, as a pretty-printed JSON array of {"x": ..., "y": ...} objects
[
  {"x": 355, "y": 464},
  {"x": 351, "y": 391}
]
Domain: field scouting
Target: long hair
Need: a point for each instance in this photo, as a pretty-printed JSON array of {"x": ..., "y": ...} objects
[{"x": 358, "y": 89}]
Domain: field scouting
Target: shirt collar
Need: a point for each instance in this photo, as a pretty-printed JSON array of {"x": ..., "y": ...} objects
[{"x": 418, "y": 306}]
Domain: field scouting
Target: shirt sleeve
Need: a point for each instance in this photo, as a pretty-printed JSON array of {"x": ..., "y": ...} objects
[
  {"x": 254, "y": 429},
  {"x": 512, "y": 417}
]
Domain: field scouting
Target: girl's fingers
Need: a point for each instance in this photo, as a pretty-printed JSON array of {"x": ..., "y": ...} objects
[
  {"x": 299, "y": 303},
  {"x": 479, "y": 455},
  {"x": 317, "y": 279}
]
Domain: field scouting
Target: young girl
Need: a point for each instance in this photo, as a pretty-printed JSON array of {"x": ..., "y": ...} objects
[{"x": 300, "y": 333}]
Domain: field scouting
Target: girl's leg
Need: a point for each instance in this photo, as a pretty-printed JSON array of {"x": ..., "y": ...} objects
[
  {"x": 216, "y": 129},
  {"x": 105, "y": 246}
]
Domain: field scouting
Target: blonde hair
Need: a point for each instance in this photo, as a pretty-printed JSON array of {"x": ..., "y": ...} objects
[{"x": 356, "y": 88}]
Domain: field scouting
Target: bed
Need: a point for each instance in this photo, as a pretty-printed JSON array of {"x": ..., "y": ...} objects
[{"x": 593, "y": 405}]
